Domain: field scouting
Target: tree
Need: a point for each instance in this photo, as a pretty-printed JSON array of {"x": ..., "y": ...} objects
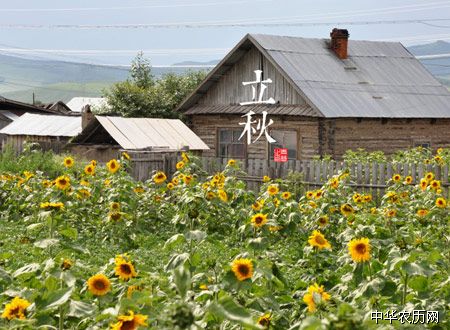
[{"x": 144, "y": 96}]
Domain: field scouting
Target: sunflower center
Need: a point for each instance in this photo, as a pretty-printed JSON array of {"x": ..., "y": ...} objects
[
  {"x": 361, "y": 248},
  {"x": 99, "y": 285},
  {"x": 264, "y": 322},
  {"x": 243, "y": 269},
  {"x": 15, "y": 311},
  {"x": 63, "y": 182},
  {"x": 128, "y": 325},
  {"x": 113, "y": 165},
  {"x": 125, "y": 268},
  {"x": 258, "y": 220},
  {"x": 320, "y": 240}
]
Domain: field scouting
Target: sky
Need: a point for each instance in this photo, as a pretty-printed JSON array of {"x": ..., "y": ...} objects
[{"x": 172, "y": 31}]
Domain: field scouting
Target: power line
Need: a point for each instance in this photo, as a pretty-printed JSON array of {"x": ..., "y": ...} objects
[
  {"x": 207, "y": 4},
  {"x": 214, "y": 25}
]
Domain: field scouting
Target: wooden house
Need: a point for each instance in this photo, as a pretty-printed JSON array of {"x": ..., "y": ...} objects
[
  {"x": 52, "y": 132},
  {"x": 325, "y": 96}
]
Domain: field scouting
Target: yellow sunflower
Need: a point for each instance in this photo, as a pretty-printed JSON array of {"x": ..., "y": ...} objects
[
  {"x": 179, "y": 165},
  {"x": 223, "y": 195},
  {"x": 99, "y": 285},
  {"x": 359, "y": 249},
  {"x": 264, "y": 320},
  {"x": 347, "y": 209},
  {"x": 259, "y": 220},
  {"x": 170, "y": 186},
  {"x": 276, "y": 202},
  {"x": 242, "y": 269},
  {"x": 133, "y": 288},
  {"x": 323, "y": 220},
  {"x": 423, "y": 184},
  {"x": 94, "y": 162},
  {"x": 257, "y": 206},
  {"x": 159, "y": 177},
  {"x": 113, "y": 166},
  {"x": 286, "y": 195},
  {"x": 429, "y": 176},
  {"x": 435, "y": 184},
  {"x": 175, "y": 181},
  {"x": 408, "y": 179},
  {"x": 315, "y": 294},
  {"x": 441, "y": 202},
  {"x": 115, "y": 206},
  {"x": 114, "y": 216},
  {"x": 129, "y": 322},
  {"x": 187, "y": 179},
  {"x": 266, "y": 178},
  {"x": 138, "y": 190},
  {"x": 124, "y": 268},
  {"x": 66, "y": 264},
  {"x": 422, "y": 212},
  {"x": 231, "y": 162},
  {"x": 318, "y": 240},
  {"x": 439, "y": 151},
  {"x": 68, "y": 162},
  {"x": 210, "y": 195},
  {"x": 62, "y": 182},
  {"x": 16, "y": 309},
  {"x": 367, "y": 198},
  {"x": 396, "y": 178},
  {"x": 318, "y": 194},
  {"x": 391, "y": 213},
  {"x": 334, "y": 183},
  {"x": 273, "y": 190},
  {"x": 89, "y": 169},
  {"x": 185, "y": 157},
  {"x": 126, "y": 156},
  {"x": 309, "y": 194}
]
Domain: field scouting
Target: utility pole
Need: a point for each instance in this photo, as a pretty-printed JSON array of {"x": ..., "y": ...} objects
[{"x": 34, "y": 99}]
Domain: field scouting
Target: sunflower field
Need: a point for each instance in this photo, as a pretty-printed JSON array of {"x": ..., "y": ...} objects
[{"x": 90, "y": 248}]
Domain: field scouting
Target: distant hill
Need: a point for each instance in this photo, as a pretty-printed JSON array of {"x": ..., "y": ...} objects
[
  {"x": 58, "y": 80},
  {"x": 440, "y": 67}
]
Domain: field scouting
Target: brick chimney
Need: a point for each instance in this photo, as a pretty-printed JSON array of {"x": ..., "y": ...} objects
[
  {"x": 339, "y": 42},
  {"x": 86, "y": 116}
]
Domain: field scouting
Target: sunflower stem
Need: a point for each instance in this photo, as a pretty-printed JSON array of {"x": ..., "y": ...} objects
[{"x": 404, "y": 290}]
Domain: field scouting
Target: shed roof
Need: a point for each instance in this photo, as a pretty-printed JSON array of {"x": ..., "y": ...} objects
[
  {"x": 77, "y": 103},
  {"x": 44, "y": 125},
  {"x": 145, "y": 133},
  {"x": 378, "y": 79}
]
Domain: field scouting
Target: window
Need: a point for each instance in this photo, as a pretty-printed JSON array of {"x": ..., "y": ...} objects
[
  {"x": 228, "y": 144},
  {"x": 285, "y": 139},
  {"x": 422, "y": 144}
]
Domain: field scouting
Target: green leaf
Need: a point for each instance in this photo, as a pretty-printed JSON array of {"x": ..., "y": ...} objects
[
  {"x": 182, "y": 279},
  {"x": 69, "y": 233},
  {"x": 196, "y": 235},
  {"x": 80, "y": 309},
  {"x": 416, "y": 269},
  {"x": 30, "y": 268},
  {"x": 227, "y": 308},
  {"x": 418, "y": 283},
  {"x": 57, "y": 298},
  {"x": 175, "y": 240},
  {"x": 176, "y": 261},
  {"x": 4, "y": 275},
  {"x": 45, "y": 243},
  {"x": 259, "y": 243}
]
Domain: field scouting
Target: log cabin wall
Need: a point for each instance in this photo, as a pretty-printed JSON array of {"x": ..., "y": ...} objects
[
  {"x": 387, "y": 135},
  {"x": 229, "y": 89},
  {"x": 206, "y": 127}
]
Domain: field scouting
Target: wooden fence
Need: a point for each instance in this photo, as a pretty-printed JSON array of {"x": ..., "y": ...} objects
[{"x": 364, "y": 177}]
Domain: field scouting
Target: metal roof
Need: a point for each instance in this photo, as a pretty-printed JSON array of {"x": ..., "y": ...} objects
[
  {"x": 289, "y": 110},
  {"x": 144, "y": 133},
  {"x": 76, "y": 104},
  {"x": 8, "y": 114},
  {"x": 379, "y": 79},
  {"x": 44, "y": 125}
]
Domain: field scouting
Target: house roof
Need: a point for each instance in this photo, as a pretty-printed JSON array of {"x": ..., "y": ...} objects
[
  {"x": 12, "y": 105},
  {"x": 276, "y": 109},
  {"x": 8, "y": 114},
  {"x": 77, "y": 103},
  {"x": 145, "y": 133},
  {"x": 379, "y": 79},
  {"x": 44, "y": 125}
]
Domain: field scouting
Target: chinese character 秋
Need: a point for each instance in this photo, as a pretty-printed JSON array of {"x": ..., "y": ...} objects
[
  {"x": 261, "y": 127},
  {"x": 262, "y": 88}
]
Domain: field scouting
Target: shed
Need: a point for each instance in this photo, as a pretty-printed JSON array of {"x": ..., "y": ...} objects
[
  {"x": 51, "y": 131},
  {"x": 324, "y": 96},
  {"x": 103, "y": 136}
]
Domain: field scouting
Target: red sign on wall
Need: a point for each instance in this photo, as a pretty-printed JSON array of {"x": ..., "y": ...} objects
[{"x": 280, "y": 155}]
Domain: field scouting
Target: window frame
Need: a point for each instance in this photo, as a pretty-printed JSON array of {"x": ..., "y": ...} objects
[
  {"x": 218, "y": 129},
  {"x": 288, "y": 129}
]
